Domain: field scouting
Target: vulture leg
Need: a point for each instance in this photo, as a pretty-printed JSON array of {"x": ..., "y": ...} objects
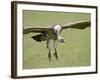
[
  {"x": 55, "y": 46},
  {"x": 49, "y": 48},
  {"x": 55, "y": 54},
  {"x": 49, "y": 55}
]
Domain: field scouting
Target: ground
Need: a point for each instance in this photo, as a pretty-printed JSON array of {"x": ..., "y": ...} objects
[{"x": 74, "y": 52}]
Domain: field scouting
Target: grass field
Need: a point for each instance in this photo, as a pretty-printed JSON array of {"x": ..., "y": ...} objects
[{"x": 73, "y": 53}]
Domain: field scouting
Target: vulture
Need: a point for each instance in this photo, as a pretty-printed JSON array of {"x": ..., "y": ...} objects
[{"x": 53, "y": 32}]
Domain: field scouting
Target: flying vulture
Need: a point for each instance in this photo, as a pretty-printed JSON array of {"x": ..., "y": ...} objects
[{"x": 53, "y": 32}]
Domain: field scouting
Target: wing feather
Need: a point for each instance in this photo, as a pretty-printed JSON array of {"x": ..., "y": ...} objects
[
  {"x": 78, "y": 25},
  {"x": 36, "y": 30}
]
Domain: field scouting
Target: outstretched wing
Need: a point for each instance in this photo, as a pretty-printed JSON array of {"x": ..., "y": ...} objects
[
  {"x": 78, "y": 25},
  {"x": 36, "y": 30},
  {"x": 39, "y": 37}
]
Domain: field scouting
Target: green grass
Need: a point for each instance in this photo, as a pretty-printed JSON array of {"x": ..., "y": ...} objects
[{"x": 74, "y": 52}]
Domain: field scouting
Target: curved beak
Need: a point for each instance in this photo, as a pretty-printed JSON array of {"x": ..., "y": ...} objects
[{"x": 62, "y": 40}]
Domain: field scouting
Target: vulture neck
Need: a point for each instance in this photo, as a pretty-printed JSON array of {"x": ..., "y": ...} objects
[{"x": 57, "y": 30}]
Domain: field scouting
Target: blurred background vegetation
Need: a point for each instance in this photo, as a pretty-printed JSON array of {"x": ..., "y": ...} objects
[{"x": 74, "y": 52}]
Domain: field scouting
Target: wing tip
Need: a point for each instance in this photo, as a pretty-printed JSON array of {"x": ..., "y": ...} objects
[{"x": 77, "y": 25}]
